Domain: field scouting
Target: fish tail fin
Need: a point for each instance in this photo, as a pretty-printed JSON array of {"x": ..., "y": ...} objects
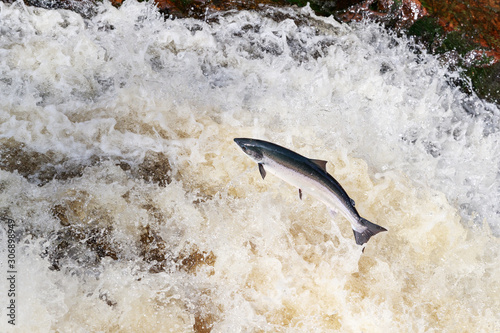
[{"x": 371, "y": 229}]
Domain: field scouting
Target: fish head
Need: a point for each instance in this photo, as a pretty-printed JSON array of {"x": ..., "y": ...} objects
[{"x": 251, "y": 147}]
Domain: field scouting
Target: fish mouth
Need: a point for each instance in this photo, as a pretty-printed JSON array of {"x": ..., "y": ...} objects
[
  {"x": 242, "y": 142},
  {"x": 248, "y": 146}
]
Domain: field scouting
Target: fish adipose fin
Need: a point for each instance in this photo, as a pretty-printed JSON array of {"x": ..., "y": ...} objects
[
  {"x": 371, "y": 229},
  {"x": 262, "y": 171}
]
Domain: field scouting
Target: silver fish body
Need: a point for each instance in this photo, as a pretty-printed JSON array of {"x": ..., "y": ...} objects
[{"x": 310, "y": 176}]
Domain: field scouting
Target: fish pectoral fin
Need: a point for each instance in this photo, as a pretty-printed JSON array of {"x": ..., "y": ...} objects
[
  {"x": 262, "y": 171},
  {"x": 333, "y": 212},
  {"x": 300, "y": 194},
  {"x": 320, "y": 163}
]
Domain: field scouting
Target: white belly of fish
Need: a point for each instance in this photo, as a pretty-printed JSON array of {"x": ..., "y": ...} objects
[{"x": 312, "y": 187}]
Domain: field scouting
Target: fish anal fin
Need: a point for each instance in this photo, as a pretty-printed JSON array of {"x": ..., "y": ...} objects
[
  {"x": 262, "y": 171},
  {"x": 320, "y": 163}
]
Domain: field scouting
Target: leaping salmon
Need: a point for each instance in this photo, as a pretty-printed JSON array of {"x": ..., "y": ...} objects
[{"x": 311, "y": 176}]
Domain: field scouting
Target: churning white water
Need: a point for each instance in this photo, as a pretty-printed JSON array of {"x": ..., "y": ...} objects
[{"x": 134, "y": 211}]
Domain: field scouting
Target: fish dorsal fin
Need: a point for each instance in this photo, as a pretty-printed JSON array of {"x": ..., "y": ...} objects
[
  {"x": 352, "y": 202},
  {"x": 320, "y": 163},
  {"x": 262, "y": 171}
]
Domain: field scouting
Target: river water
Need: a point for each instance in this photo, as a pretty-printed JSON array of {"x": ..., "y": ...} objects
[{"x": 134, "y": 210}]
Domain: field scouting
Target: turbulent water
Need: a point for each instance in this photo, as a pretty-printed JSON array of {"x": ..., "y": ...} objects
[{"x": 134, "y": 211}]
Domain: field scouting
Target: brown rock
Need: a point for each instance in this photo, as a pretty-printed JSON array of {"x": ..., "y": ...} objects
[
  {"x": 478, "y": 20},
  {"x": 401, "y": 14}
]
